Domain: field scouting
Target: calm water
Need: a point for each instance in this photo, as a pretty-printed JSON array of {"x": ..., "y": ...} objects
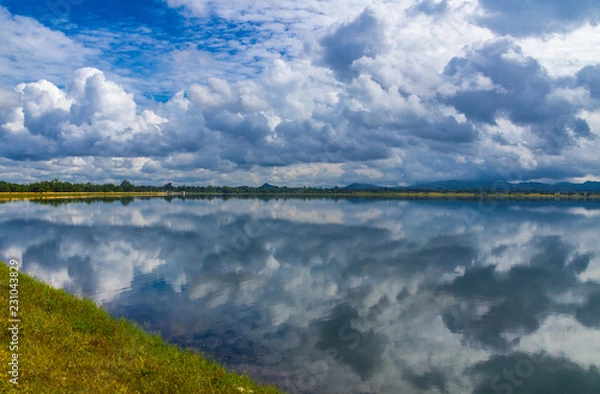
[{"x": 324, "y": 296}]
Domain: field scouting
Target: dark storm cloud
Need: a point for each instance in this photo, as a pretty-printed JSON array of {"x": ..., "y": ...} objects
[
  {"x": 534, "y": 17},
  {"x": 514, "y": 86},
  {"x": 364, "y": 36},
  {"x": 252, "y": 128},
  {"x": 589, "y": 77},
  {"x": 330, "y": 142},
  {"x": 449, "y": 131},
  {"x": 589, "y": 314},
  {"x": 379, "y": 130}
]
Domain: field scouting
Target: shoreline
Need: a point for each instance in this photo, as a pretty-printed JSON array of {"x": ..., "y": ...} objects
[
  {"x": 400, "y": 195},
  {"x": 59, "y": 195},
  {"x": 62, "y": 343}
]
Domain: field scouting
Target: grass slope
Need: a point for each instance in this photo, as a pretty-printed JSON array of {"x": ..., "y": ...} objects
[
  {"x": 69, "y": 345},
  {"x": 58, "y": 195},
  {"x": 325, "y": 193}
]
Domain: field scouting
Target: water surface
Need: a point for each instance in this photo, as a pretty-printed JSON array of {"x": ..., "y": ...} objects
[{"x": 348, "y": 296}]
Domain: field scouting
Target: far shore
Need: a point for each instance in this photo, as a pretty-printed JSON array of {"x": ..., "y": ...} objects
[
  {"x": 325, "y": 193},
  {"x": 53, "y": 195}
]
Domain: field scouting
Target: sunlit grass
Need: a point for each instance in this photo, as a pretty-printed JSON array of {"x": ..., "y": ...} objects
[
  {"x": 56, "y": 195},
  {"x": 69, "y": 345}
]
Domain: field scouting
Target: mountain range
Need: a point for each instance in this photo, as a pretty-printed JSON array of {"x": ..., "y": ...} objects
[{"x": 493, "y": 186}]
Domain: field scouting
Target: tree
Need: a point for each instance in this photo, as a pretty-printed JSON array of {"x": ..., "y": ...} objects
[{"x": 127, "y": 186}]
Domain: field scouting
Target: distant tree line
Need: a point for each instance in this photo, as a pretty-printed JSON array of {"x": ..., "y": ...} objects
[
  {"x": 262, "y": 190},
  {"x": 56, "y": 185},
  {"x": 485, "y": 191}
]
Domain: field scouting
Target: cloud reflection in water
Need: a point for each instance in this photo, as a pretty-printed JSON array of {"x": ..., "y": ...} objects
[{"x": 340, "y": 296}]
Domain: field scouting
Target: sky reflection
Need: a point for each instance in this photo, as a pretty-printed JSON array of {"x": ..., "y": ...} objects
[{"x": 327, "y": 296}]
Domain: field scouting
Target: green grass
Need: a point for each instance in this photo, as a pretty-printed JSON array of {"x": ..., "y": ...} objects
[
  {"x": 69, "y": 345},
  {"x": 383, "y": 194},
  {"x": 58, "y": 195}
]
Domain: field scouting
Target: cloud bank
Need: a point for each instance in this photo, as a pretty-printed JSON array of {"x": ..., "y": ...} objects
[{"x": 324, "y": 93}]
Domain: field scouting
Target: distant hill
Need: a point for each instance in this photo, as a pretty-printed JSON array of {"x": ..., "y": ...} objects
[
  {"x": 455, "y": 185},
  {"x": 267, "y": 186},
  {"x": 363, "y": 186},
  {"x": 500, "y": 186},
  {"x": 588, "y": 186}
]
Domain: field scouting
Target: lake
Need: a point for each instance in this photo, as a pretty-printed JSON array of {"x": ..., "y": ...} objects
[{"x": 340, "y": 296}]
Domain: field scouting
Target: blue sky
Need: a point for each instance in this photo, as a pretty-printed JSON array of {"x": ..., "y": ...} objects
[{"x": 299, "y": 93}]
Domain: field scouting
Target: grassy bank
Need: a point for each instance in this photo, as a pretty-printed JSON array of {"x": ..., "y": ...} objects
[
  {"x": 387, "y": 195},
  {"x": 56, "y": 195},
  {"x": 69, "y": 345}
]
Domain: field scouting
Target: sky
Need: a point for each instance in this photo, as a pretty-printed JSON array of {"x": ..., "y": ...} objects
[{"x": 316, "y": 93}]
